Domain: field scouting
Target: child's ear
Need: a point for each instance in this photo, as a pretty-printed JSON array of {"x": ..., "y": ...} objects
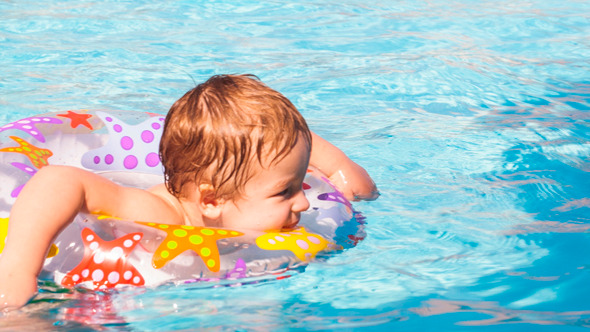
[{"x": 209, "y": 204}]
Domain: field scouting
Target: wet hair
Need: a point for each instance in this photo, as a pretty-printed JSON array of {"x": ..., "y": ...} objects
[{"x": 216, "y": 131}]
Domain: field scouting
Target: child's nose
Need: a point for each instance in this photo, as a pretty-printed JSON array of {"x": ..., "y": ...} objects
[{"x": 301, "y": 203}]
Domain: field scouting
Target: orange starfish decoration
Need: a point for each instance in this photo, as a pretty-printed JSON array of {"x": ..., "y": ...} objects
[
  {"x": 77, "y": 119},
  {"x": 180, "y": 238},
  {"x": 37, "y": 156}
]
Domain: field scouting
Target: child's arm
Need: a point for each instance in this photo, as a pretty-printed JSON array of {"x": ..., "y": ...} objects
[
  {"x": 353, "y": 180},
  {"x": 46, "y": 205}
]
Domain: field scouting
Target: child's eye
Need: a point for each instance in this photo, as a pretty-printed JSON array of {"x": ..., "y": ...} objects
[{"x": 284, "y": 192}]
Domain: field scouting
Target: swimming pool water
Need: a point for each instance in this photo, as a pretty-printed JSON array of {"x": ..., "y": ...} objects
[{"x": 471, "y": 116}]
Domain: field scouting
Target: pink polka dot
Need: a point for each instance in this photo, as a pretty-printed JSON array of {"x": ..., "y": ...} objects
[
  {"x": 97, "y": 275},
  {"x": 147, "y": 136},
  {"x": 313, "y": 239},
  {"x": 85, "y": 273},
  {"x": 98, "y": 258},
  {"x": 302, "y": 244},
  {"x": 117, "y": 128},
  {"x": 75, "y": 278},
  {"x": 113, "y": 277},
  {"x": 126, "y": 142},
  {"x": 272, "y": 242},
  {"x": 109, "y": 119},
  {"x": 116, "y": 253},
  {"x": 108, "y": 159},
  {"x": 156, "y": 125},
  {"x": 96, "y": 160},
  {"x": 130, "y": 162},
  {"x": 152, "y": 159}
]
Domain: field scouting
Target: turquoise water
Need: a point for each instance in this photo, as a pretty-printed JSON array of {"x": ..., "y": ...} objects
[{"x": 471, "y": 116}]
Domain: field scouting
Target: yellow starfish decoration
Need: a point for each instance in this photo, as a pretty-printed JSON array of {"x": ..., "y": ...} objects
[
  {"x": 303, "y": 244},
  {"x": 180, "y": 238},
  {"x": 37, "y": 156},
  {"x": 53, "y": 250}
]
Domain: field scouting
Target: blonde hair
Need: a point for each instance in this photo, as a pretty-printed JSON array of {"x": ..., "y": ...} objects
[{"x": 215, "y": 131}]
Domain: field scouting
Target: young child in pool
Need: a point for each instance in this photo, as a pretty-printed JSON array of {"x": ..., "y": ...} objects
[{"x": 234, "y": 152}]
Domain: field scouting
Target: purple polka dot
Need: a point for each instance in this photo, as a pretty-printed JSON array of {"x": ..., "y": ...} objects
[
  {"x": 109, "y": 119},
  {"x": 302, "y": 244},
  {"x": 147, "y": 136},
  {"x": 161, "y": 119},
  {"x": 96, "y": 160},
  {"x": 156, "y": 125},
  {"x": 117, "y": 128},
  {"x": 152, "y": 159},
  {"x": 109, "y": 159},
  {"x": 130, "y": 162},
  {"x": 126, "y": 142}
]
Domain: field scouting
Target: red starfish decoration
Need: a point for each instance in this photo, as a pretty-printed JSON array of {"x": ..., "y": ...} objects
[
  {"x": 77, "y": 119},
  {"x": 105, "y": 262},
  {"x": 355, "y": 239}
]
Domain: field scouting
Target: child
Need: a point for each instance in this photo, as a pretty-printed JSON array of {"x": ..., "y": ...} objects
[{"x": 234, "y": 152}]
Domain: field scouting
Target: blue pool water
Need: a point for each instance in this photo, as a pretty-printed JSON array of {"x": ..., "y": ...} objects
[{"x": 472, "y": 117}]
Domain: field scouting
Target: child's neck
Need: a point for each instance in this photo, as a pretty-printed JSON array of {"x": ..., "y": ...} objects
[{"x": 186, "y": 210}]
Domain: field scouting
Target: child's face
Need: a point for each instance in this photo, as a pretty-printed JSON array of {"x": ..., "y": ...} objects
[{"x": 273, "y": 199}]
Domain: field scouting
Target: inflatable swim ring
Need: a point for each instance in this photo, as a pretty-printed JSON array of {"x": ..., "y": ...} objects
[{"x": 99, "y": 252}]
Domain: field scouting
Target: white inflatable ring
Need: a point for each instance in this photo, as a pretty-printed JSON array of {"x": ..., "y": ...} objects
[{"x": 100, "y": 252}]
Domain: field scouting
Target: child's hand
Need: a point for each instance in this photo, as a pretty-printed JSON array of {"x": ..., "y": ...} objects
[
  {"x": 354, "y": 182},
  {"x": 16, "y": 287},
  {"x": 350, "y": 178}
]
